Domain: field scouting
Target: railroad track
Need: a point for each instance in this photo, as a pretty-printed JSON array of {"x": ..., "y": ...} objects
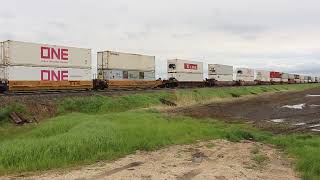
[{"x": 57, "y": 92}]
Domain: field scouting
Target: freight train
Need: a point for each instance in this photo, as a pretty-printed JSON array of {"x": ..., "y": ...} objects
[{"x": 30, "y": 67}]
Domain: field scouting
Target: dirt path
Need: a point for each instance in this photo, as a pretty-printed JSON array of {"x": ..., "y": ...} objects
[
  {"x": 219, "y": 159},
  {"x": 280, "y": 112}
]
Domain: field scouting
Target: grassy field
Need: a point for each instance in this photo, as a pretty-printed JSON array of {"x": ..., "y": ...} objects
[
  {"x": 103, "y": 104},
  {"x": 104, "y": 128}
]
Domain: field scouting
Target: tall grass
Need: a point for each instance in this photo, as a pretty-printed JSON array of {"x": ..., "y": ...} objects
[
  {"x": 106, "y": 130},
  {"x": 205, "y": 95},
  {"x": 80, "y": 138},
  {"x": 14, "y": 107},
  {"x": 103, "y": 104}
]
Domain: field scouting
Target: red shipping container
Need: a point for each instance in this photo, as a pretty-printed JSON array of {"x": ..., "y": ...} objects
[{"x": 275, "y": 75}]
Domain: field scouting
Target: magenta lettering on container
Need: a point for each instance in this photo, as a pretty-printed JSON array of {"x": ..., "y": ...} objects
[
  {"x": 48, "y": 53},
  {"x": 52, "y": 75}
]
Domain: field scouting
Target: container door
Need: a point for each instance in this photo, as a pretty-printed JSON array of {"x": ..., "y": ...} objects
[{"x": 4, "y": 53}]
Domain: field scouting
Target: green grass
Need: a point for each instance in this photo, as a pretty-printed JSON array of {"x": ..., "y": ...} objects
[
  {"x": 103, "y": 128},
  {"x": 79, "y": 138},
  {"x": 103, "y": 104},
  {"x": 204, "y": 95},
  {"x": 306, "y": 148},
  {"x": 14, "y": 107},
  {"x": 260, "y": 158}
]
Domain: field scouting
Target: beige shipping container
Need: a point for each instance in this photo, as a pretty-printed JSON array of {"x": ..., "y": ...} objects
[
  {"x": 245, "y": 74},
  {"x": 108, "y": 60},
  {"x": 285, "y": 77},
  {"x": 187, "y": 77},
  {"x": 262, "y": 76},
  {"x": 220, "y": 72},
  {"x": 14, "y": 53},
  {"x": 20, "y": 78},
  {"x": 184, "y": 66}
]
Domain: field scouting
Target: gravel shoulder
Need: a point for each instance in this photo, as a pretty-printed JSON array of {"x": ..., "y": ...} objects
[{"x": 218, "y": 159}]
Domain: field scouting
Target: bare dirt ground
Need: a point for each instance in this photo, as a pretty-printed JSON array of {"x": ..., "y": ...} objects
[
  {"x": 219, "y": 159},
  {"x": 280, "y": 113}
]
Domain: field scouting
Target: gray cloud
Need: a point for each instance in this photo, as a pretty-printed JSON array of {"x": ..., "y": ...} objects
[{"x": 274, "y": 34}]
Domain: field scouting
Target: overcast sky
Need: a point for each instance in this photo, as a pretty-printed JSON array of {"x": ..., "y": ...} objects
[{"x": 279, "y": 35}]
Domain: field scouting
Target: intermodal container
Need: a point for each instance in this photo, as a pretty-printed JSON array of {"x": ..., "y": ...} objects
[
  {"x": 111, "y": 60},
  {"x": 284, "y": 77},
  {"x": 16, "y": 53},
  {"x": 128, "y": 75},
  {"x": 185, "y": 70},
  {"x": 262, "y": 76},
  {"x": 245, "y": 74},
  {"x": 275, "y": 76},
  {"x": 32, "y": 66},
  {"x": 125, "y": 66},
  {"x": 219, "y": 72}
]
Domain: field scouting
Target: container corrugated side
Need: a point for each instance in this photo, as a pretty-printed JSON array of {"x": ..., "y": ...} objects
[
  {"x": 219, "y": 69},
  {"x": 263, "y": 76},
  {"x": 221, "y": 77},
  {"x": 284, "y": 77},
  {"x": 31, "y": 73},
  {"x": 244, "y": 74},
  {"x": 186, "y": 77},
  {"x": 125, "y": 75},
  {"x": 33, "y": 54},
  {"x": 291, "y": 76},
  {"x": 125, "y": 61},
  {"x": 184, "y": 66}
]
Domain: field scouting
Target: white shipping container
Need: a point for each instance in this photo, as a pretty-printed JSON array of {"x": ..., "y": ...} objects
[
  {"x": 133, "y": 75},
  {"x": 31, "y": 73},
  {"x": 291, "y": 76},
  {"x": 262, "y": 76},
  {"x": 15, "y": 53},
  {"x": 186, "y": 77},
  {"x": 184, "y": 66},
  {"x": 221, "y": 77},
  {"x": 302, "y": 79},
  {"x": 284, "y": 77},
  {"x": 125, "y": 61},
  {"x": 219, "y": 69},
  {"x": 113, "y": 74},
  {"x": 149, "y": 75},
  {"x": 125, "y": 75},
  {"x": 220, "y": 72},
  {"x": 244, "y": 74}
]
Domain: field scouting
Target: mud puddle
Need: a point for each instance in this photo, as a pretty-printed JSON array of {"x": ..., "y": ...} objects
[{"x": 279, "y": 113}]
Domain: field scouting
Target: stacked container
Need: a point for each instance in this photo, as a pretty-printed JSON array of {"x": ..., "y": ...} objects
[
  {"x": 284, "y": 77},
  {"x": 262, "y": 77},
  {"x": 307, "y": 79},
  {"x": 297, "y": 78},
  {"x": 291, "y": 79},
  {"x": 275, "y": 77},
  {"x": 220, "y": 74},
  {"x": 245, "y": 76},
  {"x": 122, "y": 70},
  {"x": 185, "y": 71},
  {"x": 301, "y": 78},
  {"x": 30, "y": 66}
]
